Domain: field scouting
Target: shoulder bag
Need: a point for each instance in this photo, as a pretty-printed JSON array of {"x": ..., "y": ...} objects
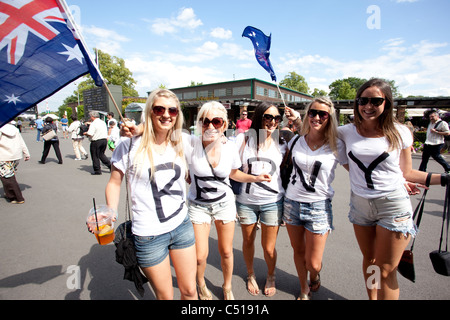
[
  {"x": 125, "y": 250},
  {"x": 406, "y": 265},
  {"x": 441, "y": 258},
  {"x": 287, "y": 166}
]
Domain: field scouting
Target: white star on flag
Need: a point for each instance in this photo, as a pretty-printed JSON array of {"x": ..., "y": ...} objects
[
  {"x": 12, "y": 99},
  {"x": 73, "y": 53}
]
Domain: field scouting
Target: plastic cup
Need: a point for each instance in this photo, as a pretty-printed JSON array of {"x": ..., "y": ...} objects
[{"x": 100, "y": 221}]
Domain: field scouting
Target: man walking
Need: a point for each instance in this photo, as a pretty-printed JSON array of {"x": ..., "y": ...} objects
[
  {"x": 437, "y": 130},
  {"x": 98, "y": 134}
]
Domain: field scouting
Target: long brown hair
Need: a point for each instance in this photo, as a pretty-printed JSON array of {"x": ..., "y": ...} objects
[{"x": 387, "y": 120}]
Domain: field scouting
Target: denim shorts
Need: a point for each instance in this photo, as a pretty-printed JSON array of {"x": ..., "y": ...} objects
[
  {"x": 316, "y": 217},
  {"x": 269, "y": 214},
  {"x": 393, "y": 212},
  {"x": 206, "y": 213},
  {"x": 152, "y": 250}
]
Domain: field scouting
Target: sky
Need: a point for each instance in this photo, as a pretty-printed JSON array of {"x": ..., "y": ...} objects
[{"x": 174, "y": 42}]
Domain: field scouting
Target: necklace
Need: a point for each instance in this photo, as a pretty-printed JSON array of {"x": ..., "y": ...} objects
[{"x": 313, "y": 147}]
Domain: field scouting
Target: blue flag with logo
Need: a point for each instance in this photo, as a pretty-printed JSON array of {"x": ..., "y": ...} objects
[
  {"x": 261, "y": 43},
  {"x": 40, "y": 53}
]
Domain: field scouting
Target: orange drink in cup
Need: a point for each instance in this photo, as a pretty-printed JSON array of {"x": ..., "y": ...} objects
[{"x": 100, "y": 221}]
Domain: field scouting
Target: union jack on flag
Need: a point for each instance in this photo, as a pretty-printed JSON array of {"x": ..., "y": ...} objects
[{"x": 40, "y": 53}]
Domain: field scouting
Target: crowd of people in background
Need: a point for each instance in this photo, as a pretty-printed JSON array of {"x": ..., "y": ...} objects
[{"x": 171, "y": 223}]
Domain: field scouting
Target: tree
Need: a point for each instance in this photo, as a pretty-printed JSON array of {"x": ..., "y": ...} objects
[
  {"x": 295, "y": 82},
  {"x": 345, "y": 89},
  {"x": 114, "y": 72},
  {"x": 319, "y": 93}
]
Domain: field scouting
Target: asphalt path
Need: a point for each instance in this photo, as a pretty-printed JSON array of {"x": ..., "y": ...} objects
[{"x": 46, "y": 252}]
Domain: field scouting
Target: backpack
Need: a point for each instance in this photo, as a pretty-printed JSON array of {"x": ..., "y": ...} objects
[{"x": 82, "y": 129}]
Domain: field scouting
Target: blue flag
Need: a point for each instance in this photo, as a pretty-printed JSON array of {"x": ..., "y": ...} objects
[
  {"x": 40, "y": 53},
  {"x": 261, "y": 43}
]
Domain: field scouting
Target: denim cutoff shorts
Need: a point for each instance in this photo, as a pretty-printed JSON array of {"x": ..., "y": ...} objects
[
  {"x": 269, "y": 214},
  {"x": 393, "y": 212},
  {"x": 152, "y": 250},
  {"x": 206, "y": 213},
  {"x": 316, "y": 217}
]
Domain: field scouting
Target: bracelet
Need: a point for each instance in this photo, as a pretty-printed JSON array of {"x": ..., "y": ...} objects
[{"x": 444, "y": 179}]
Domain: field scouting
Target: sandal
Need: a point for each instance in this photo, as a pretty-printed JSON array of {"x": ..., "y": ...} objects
[
  {"x": 305, "y": 296},
  {"x": 269, "y": 289},
  {"x": 204, "y": 293},
  {"x": 314, "y": 286},
  {"x": 251, "y": 280},
  {"x": 227, "y": 294}
]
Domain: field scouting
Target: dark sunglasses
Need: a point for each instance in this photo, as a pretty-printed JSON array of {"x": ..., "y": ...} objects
[
  {"x": 216, "y": 122},
  {"x": 323, "y": 115},
  {"x": 159, "y": 111},
  {"x": 376, "y": 102},
  {"x": 270, "y": 117}
]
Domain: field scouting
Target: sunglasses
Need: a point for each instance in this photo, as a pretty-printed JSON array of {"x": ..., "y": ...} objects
[
  {"x": 376, "y": 102},
  {"x": 159, "y": 111},
  {"x": 216, "y": 122},
  {"x": 270, "y": 117},
  {"x": 323, "y": 115}
]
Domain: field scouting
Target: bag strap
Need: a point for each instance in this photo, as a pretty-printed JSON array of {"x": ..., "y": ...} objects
[
  {"x": 212, "y": 169},
  {"x": 288, "y": 155},
  {"x": 419, "y": 209},
  {"x": 127, "y": 203}
]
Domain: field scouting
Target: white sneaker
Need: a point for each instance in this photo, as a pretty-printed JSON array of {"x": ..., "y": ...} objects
[{"x": 76, "y": 159}]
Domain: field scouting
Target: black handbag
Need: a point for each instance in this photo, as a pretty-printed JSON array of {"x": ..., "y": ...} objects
[
  {"x": 286, "y": 166},
  {"x": 441, "y": 258},
  {"x": 406, "y": 265}
]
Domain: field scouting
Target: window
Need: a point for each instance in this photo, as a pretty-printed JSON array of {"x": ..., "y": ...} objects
[
  {"x": 240, "y": 91},
  {"x": 190, "y": 95},
  {"x": 203, "y": 94},
  {"x": 220, "y": 92},
  {"x": 259, "y": 91}
]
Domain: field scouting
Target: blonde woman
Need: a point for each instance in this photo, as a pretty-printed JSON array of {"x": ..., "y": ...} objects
[
  {"x": 307, "y": 204},
  {"x": 157, "y": 168},
  {"x": 212, "y": 159}
]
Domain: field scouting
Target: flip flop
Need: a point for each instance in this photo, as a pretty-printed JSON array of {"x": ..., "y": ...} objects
[{"x": 251, "y": 280}]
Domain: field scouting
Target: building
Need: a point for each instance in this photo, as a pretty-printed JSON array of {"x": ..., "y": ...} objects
[{"x": 236, "y": 96}]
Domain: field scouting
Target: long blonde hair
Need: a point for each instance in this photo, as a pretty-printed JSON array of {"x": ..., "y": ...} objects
[
  {"x": 148, "y": 139},
  {"x": 331, "y": 131}
]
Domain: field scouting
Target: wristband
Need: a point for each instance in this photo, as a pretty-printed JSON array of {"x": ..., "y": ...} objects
[{"x": 444, "y": 179}]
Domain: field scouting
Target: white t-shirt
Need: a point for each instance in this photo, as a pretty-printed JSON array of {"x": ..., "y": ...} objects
[
  {"x": 313, "y": 171},
  {"x": 373, "y": 171},
  {"x": 98, "y": 130},
  {"x": 264, "y": 162},
  {"x": 159, "y": 205},
  {"x": 205, "y": 188}
]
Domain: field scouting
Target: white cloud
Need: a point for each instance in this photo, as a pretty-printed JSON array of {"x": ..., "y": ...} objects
[
  {"x": 186, "y": 19},
  {"x": 417, "y": 69},
  {"x": 221, "y": 33},
  {"x": 106, "y": 40}
]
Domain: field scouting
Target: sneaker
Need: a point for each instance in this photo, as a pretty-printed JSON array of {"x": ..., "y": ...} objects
[
  {"x": 78, "y": 159},
  {"x": 85, "y": 156}
]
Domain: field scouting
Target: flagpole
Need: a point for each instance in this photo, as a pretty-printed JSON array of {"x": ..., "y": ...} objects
[
  {"x": 281, "y": 95},
  {"x": 114, "y": 102}
]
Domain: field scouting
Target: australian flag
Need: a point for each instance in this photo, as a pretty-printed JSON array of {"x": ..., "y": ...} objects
[
  {"x": 261, "y": 43},
  {"x": 40, "y": 53}
]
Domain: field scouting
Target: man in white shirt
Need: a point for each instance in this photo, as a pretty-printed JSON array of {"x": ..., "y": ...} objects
[
  {"x": 98, "y": 134},
  {"x": 437, "y": 130}
]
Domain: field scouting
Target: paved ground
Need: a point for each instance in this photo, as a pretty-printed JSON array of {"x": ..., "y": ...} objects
[{"x": 45, "y": 244}]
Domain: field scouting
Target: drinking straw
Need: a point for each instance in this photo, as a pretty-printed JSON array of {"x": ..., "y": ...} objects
[{"x": 95, "y": 213}]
